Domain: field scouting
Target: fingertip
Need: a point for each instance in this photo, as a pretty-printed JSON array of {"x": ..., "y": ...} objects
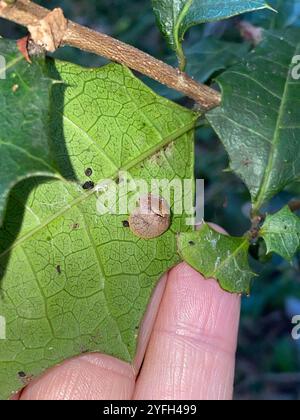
[
  {"x": 87, "y": 377},
  {"x": 201, "y": 302},
  {"x": 192, "y": 348},
  {"x": 148, "y": 322}
]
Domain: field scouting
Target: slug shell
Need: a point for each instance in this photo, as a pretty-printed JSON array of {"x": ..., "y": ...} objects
[{"x": 151, "y": 218}]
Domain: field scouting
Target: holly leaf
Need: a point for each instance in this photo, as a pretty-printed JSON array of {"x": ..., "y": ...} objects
[
  {"x": 288, "y": 14},
  {"x": 258, "y": 120},
  {"x": 25, "y": 150},
  {"x": 281, "y": 232},
  {"x": 75, "y": 279},
  {"x": 209, "y": 56},
  {"x": 204, "y": 59},
  {"x": 218, "y": 256},
  {"x": 175, "y": 17}
]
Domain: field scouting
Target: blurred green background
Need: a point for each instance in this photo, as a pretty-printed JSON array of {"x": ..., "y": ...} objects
[{"x": 268, "y": 362}]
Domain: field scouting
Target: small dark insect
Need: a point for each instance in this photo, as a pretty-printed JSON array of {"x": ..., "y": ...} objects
[
  {"x": 58, "y": 269},
  {"x": 89, "y": 185},
  {"x": 125, "y": 223},
  {"x": 89, "y": 172},
  {"x": 192, "y": 243},
  {"x": 22, "y": 375},
  {"x": 75, "y": 226}
]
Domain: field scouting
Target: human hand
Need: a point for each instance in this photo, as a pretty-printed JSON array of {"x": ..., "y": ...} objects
[{"x": 187, "y": 342}]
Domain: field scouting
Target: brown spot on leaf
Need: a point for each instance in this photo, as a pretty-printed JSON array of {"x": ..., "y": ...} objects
[
  {"x": 247, "y": 162},
  {"x": 169, "y": 149},
  {"x": 156, "y": 159}
]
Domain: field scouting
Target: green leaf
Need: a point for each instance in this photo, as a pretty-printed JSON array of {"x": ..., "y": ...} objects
[
  {"x": 258, "y": 121},
  {"x": 288, "y": 14},
  {"x": 281, "y": 232},
  {"x": 24, "y": 102},
  {"x": 175, "y": 17},
  {"x": 218, "y": 256},
  {"x": 74, "y": 280},
  {"x": 204, "y": 59},
  {"x": 209, "y": 55}
]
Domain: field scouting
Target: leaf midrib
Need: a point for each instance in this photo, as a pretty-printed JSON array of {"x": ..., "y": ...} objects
[
  {"x": 259, "y": 201},
  {"x": 85, "y": 196},
  {"x": 29, "y": 155},
  {"x": 273, "y": 20},
  {"x": 11, "y": 64},
  {"x": 251, "y": 9},
  {"x": 179, "y": 21},
  {"x": 231, "y": 257}
]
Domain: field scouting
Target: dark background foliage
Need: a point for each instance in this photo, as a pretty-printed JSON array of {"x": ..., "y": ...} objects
[{"x": 268, "y": 363}]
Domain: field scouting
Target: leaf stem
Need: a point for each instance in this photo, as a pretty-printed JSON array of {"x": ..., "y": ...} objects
[
  {"x": 179, "y": 48},
  {"x": 28, "y": 14},
  {"x": 181, "y": 57},
  {"x": 254, "y": 231}
]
